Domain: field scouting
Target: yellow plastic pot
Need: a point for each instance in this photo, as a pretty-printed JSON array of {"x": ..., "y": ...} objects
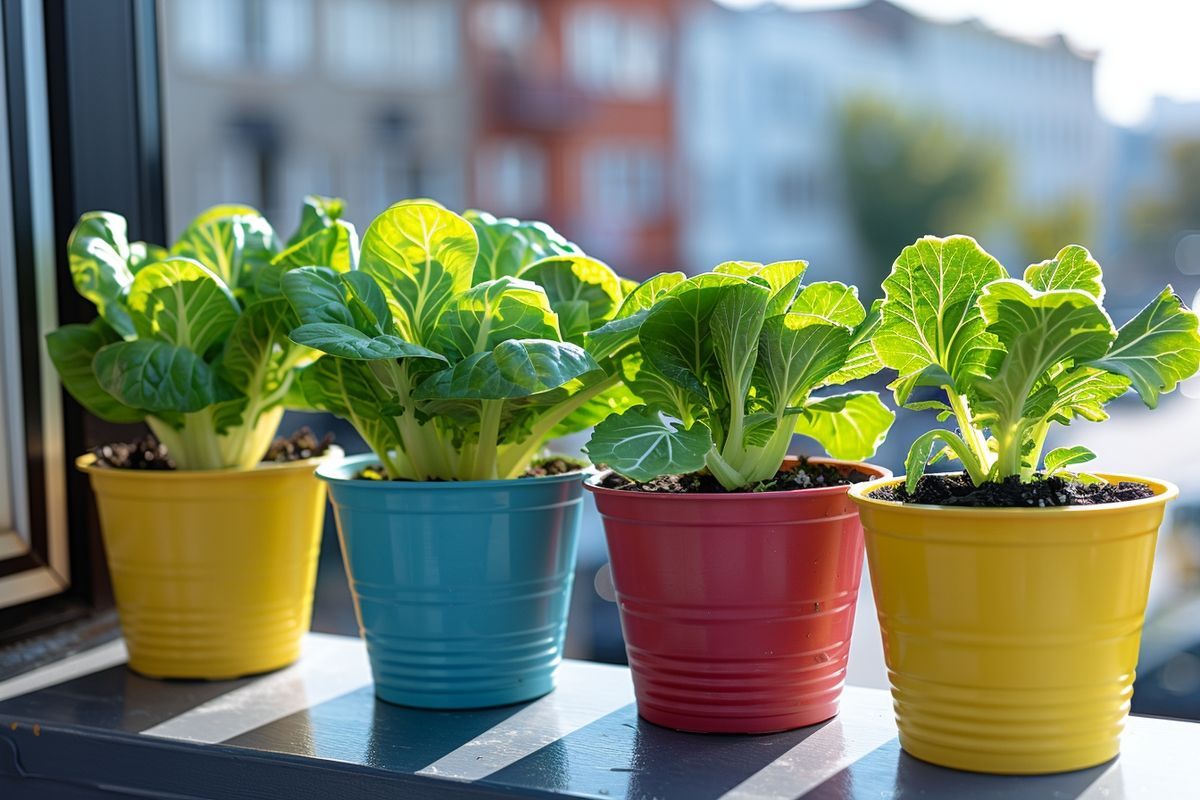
[
  {"x": 1011, "y": 635},
  {"x": 213, "y": 570}
]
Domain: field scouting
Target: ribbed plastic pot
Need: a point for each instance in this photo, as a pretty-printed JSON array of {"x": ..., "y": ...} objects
[
  {"x": 461, "y": 587},
  {"x": 1011, "y": 635},
  {"x": 736, "y": 608},
  {"x": 213, "y": 570}
]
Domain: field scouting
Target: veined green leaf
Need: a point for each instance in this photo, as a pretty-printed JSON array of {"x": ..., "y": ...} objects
[
  {"x": 143, "y": 254},
  {"x": 158, "y": 377},
  {"x": 796, "y": 354},
  {"x": 862, "y": 360},
  {"x": 654, "y": 389},
  {"x": 350, "y": 390},
  {"x": 98, "y": 252},
  {"x": 347, "y": 342},
  {"x": 1062, "y": 457},
  {"x": 736, "y": 326},
  {"x": 1157, "y": 348},
  {"x": 316, "y": 214},
  {"x": 1072, "y": 268},
  {"x": 423, "y": 255},
  {"x": 1038, "y": 330},
  {"x": 72, "y": 348},
  {"x": 335, "y": 247},
  {"x": 513, "y": 369},
  {"x": 833, "y": 302},
  {"x": 490, "y": 312},
  {"x": 930, "y": 312},
  {"x": 1081, "y": 392},
  {"x": 321, "y": 295},
  {"x": 849, "y": 426},
  {"x": 641, "y": 445},
  {"x": 583, "y": 291},
  {"x": 232, "y": 241},
  {"x": 923, "y": 450},
  {"x": 507, "y": 246},
  {"x": 182, "y": 302},
  {"x": 676, "y": 336},
  {"x": 617, "y": 334}
]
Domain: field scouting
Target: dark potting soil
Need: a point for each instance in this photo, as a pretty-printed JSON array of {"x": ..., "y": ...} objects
[
  {"x": 148, "y": 453},
  {"x": 956, "y": 489},
  {"x": 805, "y": 475},
  {"x": 540, "y": 468}
]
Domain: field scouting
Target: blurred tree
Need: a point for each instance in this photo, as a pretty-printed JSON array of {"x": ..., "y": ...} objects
[
  {"x": 1161, "y": 218},
  {"x": 1042, "y": 233},
  {"x": 907, "y": 174}
]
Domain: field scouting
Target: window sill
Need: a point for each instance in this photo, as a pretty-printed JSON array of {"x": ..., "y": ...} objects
[{"x": 86, "y": 727}]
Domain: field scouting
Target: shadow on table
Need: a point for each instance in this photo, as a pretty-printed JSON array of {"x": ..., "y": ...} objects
[{"x": 888, "y": 772}]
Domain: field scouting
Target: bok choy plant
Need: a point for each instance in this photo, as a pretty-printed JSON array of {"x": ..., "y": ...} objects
[
  {"x": 194, "y": 340},
  {"x": 726, "y": 364},
  {"x": 456, "y": 349},
  {"x": 1015, "y": 356}
]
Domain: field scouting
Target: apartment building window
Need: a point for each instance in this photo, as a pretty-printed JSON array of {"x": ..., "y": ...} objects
[
  {"x": 797, "y": 189},
  {"x": 393, "y": 43},
  {"x": 617, "y": 53},
  {"x": 624, "y": 181},
  {"x": 506, "y": 26},
  {"x": 510, "y": 177},
  {"x": 224, "y": 36}
]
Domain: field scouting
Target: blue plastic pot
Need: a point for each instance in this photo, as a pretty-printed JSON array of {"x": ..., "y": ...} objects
[{"x": 461, "y": 587}]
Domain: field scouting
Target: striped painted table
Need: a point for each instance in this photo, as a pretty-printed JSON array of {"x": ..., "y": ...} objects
[{"x": 86, "y": 727}]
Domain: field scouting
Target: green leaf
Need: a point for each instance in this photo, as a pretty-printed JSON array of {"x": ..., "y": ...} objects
[
  {"x": 589, "y": 288},
  {"x": 423, "y": 255},
  {"x": 316, "y": 214},
  {"x": 676, "y": 336},
  {"x": 1039, "y": 330},
  {"x": 1081, "y": 392},
  {"x": 641, "y": 445},
  {"x": 931, "y": 316},
  {"x": 862, "y": 361},
  {"x": 231, "y": 240},
  {"x": 1072, "y": 268},
  {"x": 98, "y": 253},
  {"x": 258, "y": 358},
  {"x": 922, "y": 451},
  {"x": 72, "y": 348},
  {"x": 514, "y": 369},
  {"x": 347, "y": 342},
  {"x": 350, "y": 390},
  {"x": 796, "y": 354},
  {"x": 613, "y": 337},
  {"x": 158, "y": 377},
  {"x": 1156, "y": 349},
  {"x": 182, "y": 302},
  {"x": 491, "y": 312},
  {"x": 507, "y": 246},
  {"x": 736, "y": 325},
  {"x": 1061, "y": 457},
  {"x": 833, "y": 302},
  {"x": 335, "y": 247},
  {"x": 143, "y": 254},
  {"x": 944, "y": 411},
  {"x": 850, "y": 426}
]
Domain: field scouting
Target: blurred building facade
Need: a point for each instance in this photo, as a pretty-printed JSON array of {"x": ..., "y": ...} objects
[
  {"x": 556, "y": 109},
  {"x": 762, "y": 90}
]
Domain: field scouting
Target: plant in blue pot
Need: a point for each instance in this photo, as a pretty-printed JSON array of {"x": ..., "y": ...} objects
[{"x": 457, "y": 350}]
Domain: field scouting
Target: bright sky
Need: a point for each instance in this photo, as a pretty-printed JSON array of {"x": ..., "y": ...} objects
[{"x": 1147, "y": 47}]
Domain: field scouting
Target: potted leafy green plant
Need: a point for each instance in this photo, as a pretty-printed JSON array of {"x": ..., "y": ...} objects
[
  {"x": 737, "y": 569},
  {"x": 212, "y": 552},
  {"x": 1011, "y": 595},
  {"x": 457, "y": 350}
]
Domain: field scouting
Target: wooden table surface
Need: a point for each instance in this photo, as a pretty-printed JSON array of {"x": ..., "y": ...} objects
[{"x": 86, "y": 727}]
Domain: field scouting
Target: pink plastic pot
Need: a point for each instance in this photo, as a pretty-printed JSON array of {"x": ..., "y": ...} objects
[{"x": 736, "y": 608}]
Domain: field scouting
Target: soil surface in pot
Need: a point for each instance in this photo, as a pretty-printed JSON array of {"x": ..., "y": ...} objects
[
  {"x": 540, "y": 468},
  {"x": 805, "y": 475},
  {"x": 148, "y": 453},
  {"x": 957, "y": 490}
]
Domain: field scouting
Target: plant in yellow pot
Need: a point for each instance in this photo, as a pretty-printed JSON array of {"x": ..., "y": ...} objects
[
  {"x": 1011, "y": 595},
  {"x": 211, "y": 545}
]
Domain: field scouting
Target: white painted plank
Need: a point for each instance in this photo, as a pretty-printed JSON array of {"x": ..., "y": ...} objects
[
  {"x": 331, "y": 666},
  {"x": 586, "y": 692},
  {"x": 109, "y": 654}
]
